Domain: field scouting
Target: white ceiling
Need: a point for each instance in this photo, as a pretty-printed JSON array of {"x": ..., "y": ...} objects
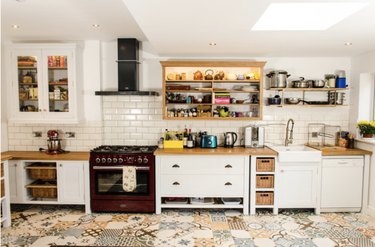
[{"x": 184, "y": 27}]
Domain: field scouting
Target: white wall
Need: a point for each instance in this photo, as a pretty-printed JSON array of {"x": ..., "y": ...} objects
[
  {"x": 141, "y": 117},
  {"x": 361, "y": 67}
]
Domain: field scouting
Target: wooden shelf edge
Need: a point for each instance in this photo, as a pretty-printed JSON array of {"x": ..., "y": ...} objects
[{"x": 211, "y": 118}]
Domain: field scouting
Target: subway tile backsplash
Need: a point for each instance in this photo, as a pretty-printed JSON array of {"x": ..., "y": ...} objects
[{"x": 137, "y": 120}]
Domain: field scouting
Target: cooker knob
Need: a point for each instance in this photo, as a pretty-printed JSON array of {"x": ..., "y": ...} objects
[
  {"x": 97, "y": 160},
  {"x": 139, "y": 160},
  {"x": 145, "y": 160},
  {"x": 103, "y": 160},
  {"x": 120, "y": 160},
  {"x": 114, "y": 160},
  {"x": 109, "y": 160}
]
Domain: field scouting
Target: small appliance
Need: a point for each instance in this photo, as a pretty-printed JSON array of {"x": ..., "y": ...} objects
[
  {"x": 53, "y": 143},
  {"x": 209, "y": 141},
  {"x": 254, "y": 137},
  {"x": 230, "y": 139}
]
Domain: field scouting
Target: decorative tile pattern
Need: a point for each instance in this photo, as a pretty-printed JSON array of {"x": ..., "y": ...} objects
[{"x": 63, "y": 226}]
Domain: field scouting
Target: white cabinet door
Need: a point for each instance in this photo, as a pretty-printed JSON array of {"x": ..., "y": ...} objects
[
  {"x": 297, "y": 186},
  {"x": 16, "y": 181},
  {"x": 70, "y": 182}
]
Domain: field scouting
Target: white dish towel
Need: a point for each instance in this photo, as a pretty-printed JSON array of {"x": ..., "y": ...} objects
[{"x": 129, "y": 178}]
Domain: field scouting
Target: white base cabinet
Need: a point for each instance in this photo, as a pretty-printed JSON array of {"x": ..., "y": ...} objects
[
  {"x": 202, "y": 176},
  {"x": 72, "y": 183},
  {"x": 342, "y": 184},
  {"x": 298, "y": 185}
]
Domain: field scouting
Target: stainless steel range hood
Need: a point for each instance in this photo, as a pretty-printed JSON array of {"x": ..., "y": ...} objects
[{"x": 128, "y": 64}]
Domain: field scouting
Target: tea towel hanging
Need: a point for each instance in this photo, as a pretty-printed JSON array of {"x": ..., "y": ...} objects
[{"x": 129, "y": 178}]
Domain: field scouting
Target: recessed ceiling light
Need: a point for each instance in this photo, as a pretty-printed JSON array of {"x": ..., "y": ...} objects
[
  {"x": 305, "y": 16},
  {"x": 348, "y": 43},
  {"x": 15, "y": 26},
  {"x": 212, "y": 43},
  {"x": 20, "y": 1},
  {"x": 95, "y": 25}
]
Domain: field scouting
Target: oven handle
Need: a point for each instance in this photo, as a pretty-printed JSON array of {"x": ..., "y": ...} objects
[{"x": 143, "y": 168}]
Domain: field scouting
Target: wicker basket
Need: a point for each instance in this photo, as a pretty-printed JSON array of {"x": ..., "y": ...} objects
[
  {"x": 42, "y": 170},
  {"x": 2, "y": 170},
  {"x": 265, "y": 165},
  {"x": 44, "y": 189},
  {"x": 264, "y": 198},
  {"x": 264, "y": 181}
]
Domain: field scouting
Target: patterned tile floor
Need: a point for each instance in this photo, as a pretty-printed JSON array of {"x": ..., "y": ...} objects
[{"x": 50, "y": 225}]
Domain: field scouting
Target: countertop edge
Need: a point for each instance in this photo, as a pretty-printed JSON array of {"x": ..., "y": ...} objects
[{"x": 36, "y": 155}]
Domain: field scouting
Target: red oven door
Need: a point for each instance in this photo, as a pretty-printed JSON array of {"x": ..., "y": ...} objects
[{"x": 107, "y": 193}]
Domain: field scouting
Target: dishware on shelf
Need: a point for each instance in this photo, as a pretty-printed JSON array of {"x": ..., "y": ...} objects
[
  {"x": 208, "y": 74},
  {"x": 198, "y": 75},
  {"x": 278, "y": 78},
  {"x": 231, "y": 201}
]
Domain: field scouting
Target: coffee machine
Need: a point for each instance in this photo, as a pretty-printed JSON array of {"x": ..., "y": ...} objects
[{"x": 254, "y": 137}]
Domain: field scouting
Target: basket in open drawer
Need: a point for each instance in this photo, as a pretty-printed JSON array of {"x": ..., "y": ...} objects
[
  {"x": 42, "y": 170},
  {"x": 45, "y": 189},
  {"x": 264, "y": 198}
]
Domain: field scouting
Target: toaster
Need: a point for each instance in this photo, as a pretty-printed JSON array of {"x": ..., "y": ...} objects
[
  {"x": 254, "y": 137},
  {"x": 209, "y": 141}
]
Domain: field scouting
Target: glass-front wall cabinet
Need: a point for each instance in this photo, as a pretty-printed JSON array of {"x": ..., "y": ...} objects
[{"x": 43, "y": 84}]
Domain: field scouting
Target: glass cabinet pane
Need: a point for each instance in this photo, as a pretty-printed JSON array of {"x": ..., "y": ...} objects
[
  {"x": 58, "y": 93},
  {"x": 27, "y": 83}
]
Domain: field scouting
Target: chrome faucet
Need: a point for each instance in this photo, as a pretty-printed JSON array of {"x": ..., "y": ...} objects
[{"x": 289, "y": 139}]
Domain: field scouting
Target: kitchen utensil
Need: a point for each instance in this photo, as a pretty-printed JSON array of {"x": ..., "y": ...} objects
[
  {"x": 300, "y": 83},
  {"x": 208, "y": 141},
  {"x": 292, "y": 101},
  {"x": 278, "y": 78},
  {"x": 198, "y": 75},
  {"x": 208, "y": 74},
  {"x": 331, "y": 80},
  {"x": 274, "y": 100},
  {"x": 230, "y": 139},
  {"x": 254, "y": 137},
  {"x": 219, "y": 76},
  {"x": 317, "y": 83},
  {"x": 240, "y": 77},
  {"x": 53, "y": 145}
]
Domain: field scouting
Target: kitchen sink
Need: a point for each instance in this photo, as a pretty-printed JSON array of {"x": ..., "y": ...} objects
[{"x": 297, "y": 154}]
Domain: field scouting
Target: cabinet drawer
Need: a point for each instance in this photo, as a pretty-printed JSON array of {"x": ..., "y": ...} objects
[
  {"x": 202, "y": 165},
  {"x": 202, "y": 185}
]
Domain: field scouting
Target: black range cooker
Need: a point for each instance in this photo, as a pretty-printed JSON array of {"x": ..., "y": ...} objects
[{"x": 106, "y": 173}]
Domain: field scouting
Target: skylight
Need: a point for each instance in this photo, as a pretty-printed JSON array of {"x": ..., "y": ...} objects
[{"x": 305, "y": 16}]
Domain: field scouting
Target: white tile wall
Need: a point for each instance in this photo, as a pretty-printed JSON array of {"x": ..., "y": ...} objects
[
  {"x": 87, "y": 136},
  {"x": 137, "y": 120}
]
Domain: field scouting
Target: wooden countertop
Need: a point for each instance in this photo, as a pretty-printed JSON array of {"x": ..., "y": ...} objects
[
  {"x": 216, "y": 151},
  {"x": 340, "y": 151},
  {"x": 35, "y": 155}
]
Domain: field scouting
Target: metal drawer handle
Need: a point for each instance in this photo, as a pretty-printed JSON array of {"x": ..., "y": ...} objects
[
  {"x": 343, "y": 162},
  {"x": 228, "y": 166},
  {"x": 176, "y": 183},
  {"x": 228, "y": 183},
  {"x": 175, "y": 166}
]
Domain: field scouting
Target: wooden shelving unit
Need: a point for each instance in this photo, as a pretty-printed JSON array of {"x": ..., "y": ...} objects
[{"x": 250, "y": 109}]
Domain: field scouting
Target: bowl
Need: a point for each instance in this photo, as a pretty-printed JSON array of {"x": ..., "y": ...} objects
[{"x": 292, "y": 101}]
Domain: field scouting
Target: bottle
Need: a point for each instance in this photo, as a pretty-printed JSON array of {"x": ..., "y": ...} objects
[
  {"x": 185, "y": 137},
  {"x": 56, "y": 92},
  {"x": 190, "y": 141}
]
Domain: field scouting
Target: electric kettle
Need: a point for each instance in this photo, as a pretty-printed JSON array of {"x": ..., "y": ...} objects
[{"x": 230, "y": 139}]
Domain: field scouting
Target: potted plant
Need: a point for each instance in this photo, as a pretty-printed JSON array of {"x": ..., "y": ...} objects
[{"x": 366, "y": 128}]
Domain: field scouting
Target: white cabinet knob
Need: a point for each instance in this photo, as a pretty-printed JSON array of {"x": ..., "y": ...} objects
[{"x": 61, "y": 165}]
